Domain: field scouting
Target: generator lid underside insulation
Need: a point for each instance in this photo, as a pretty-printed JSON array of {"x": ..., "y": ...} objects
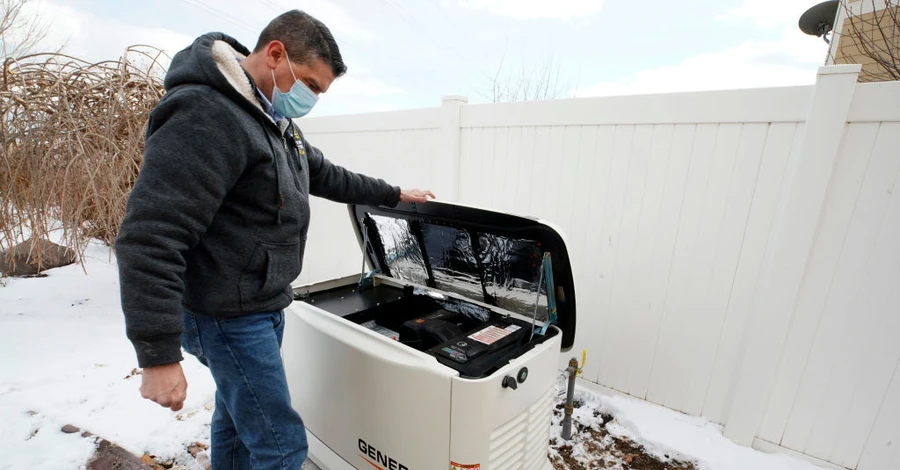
[{"x": 490, "y": 257}]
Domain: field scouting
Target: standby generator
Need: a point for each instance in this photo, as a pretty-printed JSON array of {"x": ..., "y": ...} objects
[{"x": 443, "y": 351}]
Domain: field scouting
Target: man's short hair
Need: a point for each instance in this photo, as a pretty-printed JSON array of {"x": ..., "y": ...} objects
[{"x": 305, "y": 39}]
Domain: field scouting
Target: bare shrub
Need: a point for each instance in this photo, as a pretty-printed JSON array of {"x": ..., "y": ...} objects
[{"x": 72, "y": 143}]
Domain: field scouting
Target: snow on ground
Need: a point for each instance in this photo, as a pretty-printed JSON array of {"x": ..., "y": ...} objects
[
  {"x": 66, "y": 360},
  {"x": 665, "y": 434}
]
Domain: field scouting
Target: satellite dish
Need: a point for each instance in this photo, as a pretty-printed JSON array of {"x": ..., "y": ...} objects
[{"x": 819, "y": 20}]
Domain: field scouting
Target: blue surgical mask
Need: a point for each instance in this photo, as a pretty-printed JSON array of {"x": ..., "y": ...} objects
[{"x": 295, "y": 103}]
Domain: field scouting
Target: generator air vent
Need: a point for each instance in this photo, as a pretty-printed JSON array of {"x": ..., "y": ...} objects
[{"x": 523, "y": 442}]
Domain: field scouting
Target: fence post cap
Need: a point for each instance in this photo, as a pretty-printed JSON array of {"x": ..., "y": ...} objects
[
  {"x": 460, "y": 98},
  {"x": 840, "y": 69}
]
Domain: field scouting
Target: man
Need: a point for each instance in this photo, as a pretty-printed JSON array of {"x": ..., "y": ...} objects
[{"x": 216, "y": 226}]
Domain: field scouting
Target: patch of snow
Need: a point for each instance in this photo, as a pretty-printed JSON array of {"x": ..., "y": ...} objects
[
  {"x": 34, "y": 441},
  {"x": 67, "y": 361},
  {"x": 666, "y": 433},
  {"x": 664, "y": 430}
]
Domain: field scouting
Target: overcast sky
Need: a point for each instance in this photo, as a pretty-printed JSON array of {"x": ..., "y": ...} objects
[{"x": 406, "y": 54}]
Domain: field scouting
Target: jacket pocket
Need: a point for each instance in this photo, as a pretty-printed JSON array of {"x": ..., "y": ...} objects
[{"x": 272, "y": 268}]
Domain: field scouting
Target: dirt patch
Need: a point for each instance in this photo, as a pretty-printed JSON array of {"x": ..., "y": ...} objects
[
  {"x": 198, "y": 451},
  {"x": 594, "y": 445},
  {"x": 108, "y": 455}
]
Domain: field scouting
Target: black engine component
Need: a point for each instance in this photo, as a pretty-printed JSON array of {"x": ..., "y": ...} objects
[{"x": 429, "y": 331}]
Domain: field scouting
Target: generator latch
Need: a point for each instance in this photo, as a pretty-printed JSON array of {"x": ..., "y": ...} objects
[{"x": 510, "y": 382}]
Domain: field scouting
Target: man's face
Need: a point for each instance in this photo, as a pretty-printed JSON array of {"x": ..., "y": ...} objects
[{"x": 316, "y": 75}]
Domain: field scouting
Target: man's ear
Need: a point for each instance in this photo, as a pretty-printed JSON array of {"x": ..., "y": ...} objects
[{"x": 274, "y": 53}]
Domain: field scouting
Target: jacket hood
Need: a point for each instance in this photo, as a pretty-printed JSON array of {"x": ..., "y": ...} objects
[{"x": 212, "y": 60}]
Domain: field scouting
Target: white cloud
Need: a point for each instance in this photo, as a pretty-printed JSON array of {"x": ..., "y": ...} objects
[
  {"x": 791, "y": 60},
  {"x": 537, "y": 9},
  {"x": 337, "y": 106},
  {"x": 94, "y": 38},
  {"x": 358, "y": 92},
  {"x": 338, "y": 20},
  {"x": 366, "y": 86},
  {"x": 768, "y": 13}
]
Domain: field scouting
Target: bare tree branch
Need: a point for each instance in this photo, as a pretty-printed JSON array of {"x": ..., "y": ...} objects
[
  {"x": 874, "y": 36},
  {"x": 539, "y": 83},
  {"x": 21, "y": 30}
]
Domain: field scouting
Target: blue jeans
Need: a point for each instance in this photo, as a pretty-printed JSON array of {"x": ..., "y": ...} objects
[{"x": 254, "y": 425}]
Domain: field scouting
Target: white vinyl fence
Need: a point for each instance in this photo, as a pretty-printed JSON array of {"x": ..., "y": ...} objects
[{"x": 736, "y": 253}]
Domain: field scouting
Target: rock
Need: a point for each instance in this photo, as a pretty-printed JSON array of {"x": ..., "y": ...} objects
[
  {"x": 33, "y": 257},
  {"x": 69, "y": 429},
  {"x": 196, "y": 448}
]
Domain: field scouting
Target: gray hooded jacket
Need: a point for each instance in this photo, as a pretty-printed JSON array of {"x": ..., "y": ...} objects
[{"x": 217, "y": 220}]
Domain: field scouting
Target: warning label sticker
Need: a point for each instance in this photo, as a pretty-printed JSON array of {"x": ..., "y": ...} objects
[
  {"x": 459, "y": 466},
  {"x": 492, "y": 334}
]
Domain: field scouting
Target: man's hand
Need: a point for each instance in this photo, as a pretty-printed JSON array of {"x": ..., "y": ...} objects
[
  {"x": 165, "y": 385},
  {"x": 415, "y": 195}
]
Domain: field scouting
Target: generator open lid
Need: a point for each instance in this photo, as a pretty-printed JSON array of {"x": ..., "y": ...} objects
[{"x": 515, "y": 263}]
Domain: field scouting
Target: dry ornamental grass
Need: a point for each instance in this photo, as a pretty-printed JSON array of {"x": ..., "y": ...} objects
[{"x": 72, "y": 143}]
